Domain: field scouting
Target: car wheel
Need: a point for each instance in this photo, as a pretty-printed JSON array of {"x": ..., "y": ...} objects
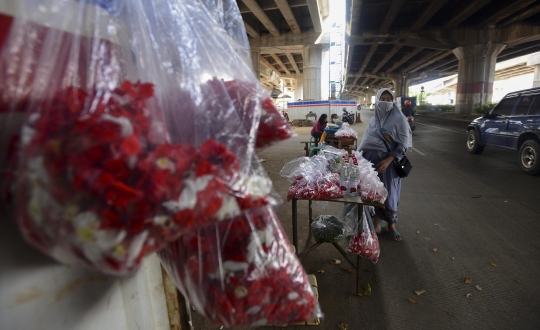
[
  {"x": 473, "y": 141},
  {"x": 529, "y": 157}
]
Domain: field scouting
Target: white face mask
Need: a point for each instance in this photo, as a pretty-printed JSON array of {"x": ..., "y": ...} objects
[{"x": 385, "y": 106}]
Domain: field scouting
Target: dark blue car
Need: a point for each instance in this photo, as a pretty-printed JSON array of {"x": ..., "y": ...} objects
[{"x": 514, "y": 123}]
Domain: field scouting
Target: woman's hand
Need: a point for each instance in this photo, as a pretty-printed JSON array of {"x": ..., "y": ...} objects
[{"x": 383, "y": 165}]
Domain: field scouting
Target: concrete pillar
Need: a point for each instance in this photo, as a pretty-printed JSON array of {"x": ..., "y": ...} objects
[
  {"x": 256, "y": 60},
  {"x": 298, "y": 92},
  {"x": 312, "y": 72},
  {"x": 534, "y": 60},
  {"x": 476, "y": 72}
]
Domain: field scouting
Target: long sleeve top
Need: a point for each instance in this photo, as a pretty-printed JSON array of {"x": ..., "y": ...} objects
[{"x": 317, "y": 127}]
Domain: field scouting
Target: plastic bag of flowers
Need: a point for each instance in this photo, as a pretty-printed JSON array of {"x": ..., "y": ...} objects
[
  {"x": 242, "y": 271},
  {"x": 106, "y": 171},
  {"x": 346, "y": 132},
  {"x": 364, "y": 241},
  {"x": 311, "y": 178}
]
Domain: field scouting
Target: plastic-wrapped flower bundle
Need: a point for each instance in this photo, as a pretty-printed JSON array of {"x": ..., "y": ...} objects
[
  {"x": 370, "y": 186},
  {"x": 311, "y": 179},
  {"x": 364, "y": 241},
  {"x": 346, "y": 132},
  {"x": 241, "y": 271}
]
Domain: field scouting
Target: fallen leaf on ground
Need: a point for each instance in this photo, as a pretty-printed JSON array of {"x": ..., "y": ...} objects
[
  {"x": 343, "y": 326},
  {"x": 320, "y": 271},
  {"x": 478, "y": 288},
  {"x": 367, "y": 290},
  {"x": 434, "y": 250},
  {"x": 437, "y": 225},
  {"x": 336, "y": 261},
  {"x": 447, "y": 312},
  {"x": 419, "y": 292},
  {"x": 412, "y": 301},
  {"x": 418, "y": 231},
  {"x": 347, "y": 270},
  {"x": 468, "y": 280},
  {"x": 469, "y": 294},
  {"x": 494, "y": 265},
  {"x": 518, "y": 281}
]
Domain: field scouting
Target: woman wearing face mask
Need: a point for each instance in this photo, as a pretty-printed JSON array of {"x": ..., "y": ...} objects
[{"x": 389, "y": 124}]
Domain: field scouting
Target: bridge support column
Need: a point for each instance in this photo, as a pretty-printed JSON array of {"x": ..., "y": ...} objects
[
  {"x": 312, "y": 72},
  {"x": 476, "y": 73},
  {"x": 534, "y": 60},
  {"x": 298, "y": 92},
  {"x": 255, "y": 59}
]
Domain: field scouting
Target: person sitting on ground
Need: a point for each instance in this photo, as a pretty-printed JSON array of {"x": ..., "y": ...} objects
[
  {"x": 387, "y": 138},
  {"x": 319, "y": 126}
]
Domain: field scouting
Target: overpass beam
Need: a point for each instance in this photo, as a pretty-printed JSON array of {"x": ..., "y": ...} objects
[
  {"x": 256, "y": 61},
  {"x": 312, "y": 72},
  {"x": 476, "y": 73},
  {"x": 534, "y": 60}
]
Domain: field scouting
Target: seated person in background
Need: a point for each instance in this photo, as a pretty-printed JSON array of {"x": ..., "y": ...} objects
[
  {"x": 407, "y": 109},
  {"x": 335, "y": 119},
  {"x": 318, "y": 127}
]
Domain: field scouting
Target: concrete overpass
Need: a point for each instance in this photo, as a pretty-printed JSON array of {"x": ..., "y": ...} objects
[
  {"x": 394, "y": 43},
  {"x": 283, "y": 36}
]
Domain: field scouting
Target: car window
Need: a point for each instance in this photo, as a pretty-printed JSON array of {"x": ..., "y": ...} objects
[
  {"x": 504, "y": 108},
  {"x": 524, "y": 105},
  {"x": 534, "y": 109}
]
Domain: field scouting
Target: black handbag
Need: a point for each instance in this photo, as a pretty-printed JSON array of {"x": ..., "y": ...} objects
[{"x": 403, "y": 167}]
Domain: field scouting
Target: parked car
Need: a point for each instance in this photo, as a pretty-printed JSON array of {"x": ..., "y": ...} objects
[{"x": 514, "y": 123}]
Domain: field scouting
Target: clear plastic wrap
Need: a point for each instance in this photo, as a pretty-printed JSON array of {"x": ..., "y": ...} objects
[
  {"x": 364, "y": 241},
  {"x": 311, "y": 179},
  {"x": 327, "y": 228},
  {"x": 370, "y": 187},
  {"x": 242, "y": 271},
  {"x": 131, "y": 135},
  {"x": 346, "y": 132}
]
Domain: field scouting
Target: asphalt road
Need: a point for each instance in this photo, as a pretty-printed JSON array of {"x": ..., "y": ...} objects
[{"x": 479, "y": 213}]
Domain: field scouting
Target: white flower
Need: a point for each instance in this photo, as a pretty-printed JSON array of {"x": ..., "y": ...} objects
[{"x": 126, "y": 129}]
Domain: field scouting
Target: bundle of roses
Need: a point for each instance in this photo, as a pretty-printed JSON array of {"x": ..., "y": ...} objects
[
  {"x": 101, "y": 186},
  {"x": 241, "y": 271}
]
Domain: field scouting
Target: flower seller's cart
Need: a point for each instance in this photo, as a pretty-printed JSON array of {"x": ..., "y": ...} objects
[{"x": 345, "y": 200}]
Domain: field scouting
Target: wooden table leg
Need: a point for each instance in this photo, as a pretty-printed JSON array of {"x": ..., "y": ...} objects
[{"x": 295, "y": 224}]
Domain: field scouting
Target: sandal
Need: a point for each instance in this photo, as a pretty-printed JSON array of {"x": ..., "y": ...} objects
[{"x": 396, "y": 236}]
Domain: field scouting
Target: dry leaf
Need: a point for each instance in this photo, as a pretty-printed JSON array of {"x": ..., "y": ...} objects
[
  {"x": 518, "y": 281},
  {"x": 437, "y": 225},
  {"x": 412, "y": 301},
  {"x": 494, "y": 265},
  {"x": 478, "y": 288},
  {"x": 447, "y": 312},
  {"x": 468, "y": 280},
  {"x": 469, "y": 294},
  {"x": 434, "y": 250},
  {"x": 419, "y": 292},
  {"x": 347, "y": 270},
  {"x": 418, "y": 231},
  {"x": 320, "y": 271},
  {"x": 336, "y": 261},
  {"x": 343, "y": 326}
]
